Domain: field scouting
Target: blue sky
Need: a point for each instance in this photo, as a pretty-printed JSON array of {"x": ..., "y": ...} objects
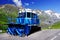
[{"x": 38, "y": 4}]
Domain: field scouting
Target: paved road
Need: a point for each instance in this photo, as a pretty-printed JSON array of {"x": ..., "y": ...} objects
[{"x": 51, "y": 34}]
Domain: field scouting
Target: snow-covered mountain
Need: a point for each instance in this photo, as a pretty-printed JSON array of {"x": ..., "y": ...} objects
[
  {"x": 58, "y": 15},
  {"x": 53, "y": 14},
  {"x": 48, "y": 16}
]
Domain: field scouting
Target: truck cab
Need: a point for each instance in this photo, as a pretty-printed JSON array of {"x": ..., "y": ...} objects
[{"x": 28, "y": 18}]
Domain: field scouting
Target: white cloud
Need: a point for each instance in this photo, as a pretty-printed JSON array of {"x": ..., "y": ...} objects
[
  {"x": 17, "y": 2},
  {"x": 32, "y": 2},
  {"x": 27, "y": 4}
]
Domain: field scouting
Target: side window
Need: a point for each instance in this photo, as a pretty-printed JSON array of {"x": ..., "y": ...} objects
[
  {"x": 28, "y": 14},
  {"x": 22, "y": 15},
  {"x": 34, "y": 15}
]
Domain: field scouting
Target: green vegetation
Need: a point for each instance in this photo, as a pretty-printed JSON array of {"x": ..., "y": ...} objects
[
  {"x": 5, "y": 12},
  {"x": 56, "y": 25},
  {"x": 3, "y": 31}
]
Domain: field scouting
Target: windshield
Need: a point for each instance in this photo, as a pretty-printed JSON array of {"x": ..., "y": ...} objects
[
  {"x": 31, "y": 15},
  {"x": 28, "y": 14}
]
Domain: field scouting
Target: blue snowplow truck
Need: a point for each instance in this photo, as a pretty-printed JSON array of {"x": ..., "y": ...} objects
[{"x": 24, "y": 24}]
